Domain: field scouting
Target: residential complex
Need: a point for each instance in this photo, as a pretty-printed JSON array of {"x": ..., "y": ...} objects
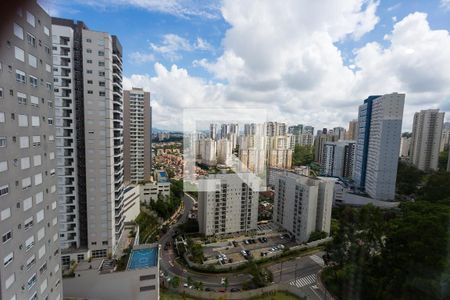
[
  {"x": 137, "y": 132},
  {"x": 228, "y": 203},
  {"x": 426, "y": 139},
  {"x": 352, "y": 131},
  {"x": 89, "y": 139},
  {"x": 28, "y": 202},
  {"x": 378, "y": 145},
  {"x": 337, "y": 160},
  {"x": 405, "y": 146},
  {"x": 302, "y": 204}
]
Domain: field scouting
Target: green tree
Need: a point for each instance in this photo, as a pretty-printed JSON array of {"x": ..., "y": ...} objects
[
  {"x": 409, "y": 179},
  {"x": 303, "y": 155},
  {"x": 443, "y": 159},
  {"x": 317, "y": 235},
  {"x": 175, "y": 282}
]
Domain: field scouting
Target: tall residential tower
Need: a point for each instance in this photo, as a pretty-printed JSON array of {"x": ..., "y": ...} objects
[
  {"x": 137, "y": 135},
  {"x": 378, "y": 145},
  {"x": 28, "y": 203}
]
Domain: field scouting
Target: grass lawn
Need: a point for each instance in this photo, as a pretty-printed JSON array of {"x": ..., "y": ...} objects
[{"x": 168, "y": 295}]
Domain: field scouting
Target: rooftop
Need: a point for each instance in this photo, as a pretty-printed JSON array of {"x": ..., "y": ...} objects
[{"x": 143, "y": 258}]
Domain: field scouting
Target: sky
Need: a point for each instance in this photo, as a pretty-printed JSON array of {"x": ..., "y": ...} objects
[{"x": 303, "y": 62}]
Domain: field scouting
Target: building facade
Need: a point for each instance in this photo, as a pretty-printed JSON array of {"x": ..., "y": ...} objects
[
  {"x": 378, "y": 145},
  {"x": 337, "y": 159},
  {"x": 228, "y": 203},
  {"x": 137, "y": 135},
  {"x": 302, "y": 204},
  {"x": 426, "y": 139},
  {"x": 88, "y": 94},
  {"x": 28, "y": 203}
]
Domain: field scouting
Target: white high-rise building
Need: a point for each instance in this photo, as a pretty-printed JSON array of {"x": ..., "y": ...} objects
[
  {"x": 426, "y": 139},
  {"x": 89, "y": 137},
  {"x": 302, "y": 204},
  {"x": 224, "y": 152},
  {"x": 207, "y": 150},
  {"x": 405, "y": 145},
  {"x": 337, "y": 158},
  {"x": 30, "y": 249},
  {"x": 378, "y": 145},
  {"x": 228, "y": 203}
]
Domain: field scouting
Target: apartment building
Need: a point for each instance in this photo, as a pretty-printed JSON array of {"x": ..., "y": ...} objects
[
  {"x": 426, "y": 139},
  {"x": 302, "y": 204},
  {"x": 228, "y": 203},
  {"x": 352, "y": 131},
  {"x": 88, "y": 96},
  {"x": 29, "y": 251},
  {"x": 337, "y": 159},
  {"x": 137, "y": 134},
  {"x": 378, "y": 145}
]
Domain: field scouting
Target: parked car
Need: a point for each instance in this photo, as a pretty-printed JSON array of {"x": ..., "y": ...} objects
[{"x": 235, "y": 290}]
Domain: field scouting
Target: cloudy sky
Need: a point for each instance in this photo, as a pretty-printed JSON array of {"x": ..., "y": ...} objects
[{"x": 309, "y": 62}]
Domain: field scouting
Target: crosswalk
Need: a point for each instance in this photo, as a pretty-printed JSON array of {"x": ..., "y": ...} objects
[
  {"x": 304, "y": 281},
  {"x": 317, "y": 259}
]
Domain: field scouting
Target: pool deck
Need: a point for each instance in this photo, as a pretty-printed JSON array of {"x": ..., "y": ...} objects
[{"x": 143, "y": 257}]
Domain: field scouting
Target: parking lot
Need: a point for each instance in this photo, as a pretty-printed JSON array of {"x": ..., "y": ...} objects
[{"x": 242, "y": 249}]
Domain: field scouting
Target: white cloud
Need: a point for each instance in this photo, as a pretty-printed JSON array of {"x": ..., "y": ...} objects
[
  {"x": 445, "y": 4},
  {"x": 172, "y": 45},
  {"x": 282, "y": 56},
  {"x": 139, "y": 58}
]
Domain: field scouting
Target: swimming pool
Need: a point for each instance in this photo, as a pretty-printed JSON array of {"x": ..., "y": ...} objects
[{"x": 143, "y": 258}]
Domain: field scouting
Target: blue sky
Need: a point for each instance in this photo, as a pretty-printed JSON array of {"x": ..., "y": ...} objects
[{"x": 197, "y": 37}]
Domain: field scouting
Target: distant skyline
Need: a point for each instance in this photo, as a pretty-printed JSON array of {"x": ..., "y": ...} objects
[{"x": 306, "y": 62}]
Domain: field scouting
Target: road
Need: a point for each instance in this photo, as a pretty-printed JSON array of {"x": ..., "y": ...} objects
[{"x": 301, "y": 272}]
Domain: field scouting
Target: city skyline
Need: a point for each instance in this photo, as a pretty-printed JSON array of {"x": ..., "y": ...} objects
[{"x": 203, "y": 53}]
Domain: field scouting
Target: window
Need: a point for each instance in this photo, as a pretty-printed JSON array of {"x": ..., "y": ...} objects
[
  {"x": 89, "y": 61},
  {"x": 101, "y": 94},
  {"x": 41, "y": 252},
  {"x": 7, "y": 236},
  {"x": 48, "y": 68},
  {"x": 89, "y": 71},
  {"x": 49, "y": 86},
  {"x": 23, "y": 121},
  {"x": 101, "y": 63},
  {"x": 21, "y": 98},
  {"x": 38, "y": 179},
  {"x": 28, "y": 223},
  {"x": 37, "y": 161},
  {"x": 101, "y": 83},
  {"x": 89, "y": 81},
  {"x": 88, "y": 50},
  {"x": 34, "y": 100},
  {"x": 40, "y": 233},
  {"x": 31, "y": 39},
  {"x": 24, "y": 163},
  {"x": 101, "y": 53},
  {"x": 18, "y": 31},
  {"x": 50, "y": 121},
  {"x": 46, "y": 31},
  {"x": 2, "y": 141},
  {"x": 33, "y": 81},
  {"x": 88, "y": 41},
  {"x": 10, "y": 280},
  {"x": 26, "y": 183},
  {"x": 29, "y": 243},
  {"x": 36, "y": 139},
  {"x": 101, "y": 73},
  {"x": 3, "y": 166},
  {"x": 31, "y": 282},
  {"x": 90, "y": 92},
  {"x": 51, "y": 155},
  {"x": 39, "y": 197},
  {"x": 47, "y": 49},
  {"x": 24, "y": 142},
  {"x": 8, "y": 259},
  {"x": 2, "y": 117},
  {"x": 30, "y": 19},
  {"x": 32, "y": 61},
  {"x": 30, "y": 262},
  {"x": 40, "y": 216},
  {"x": 6, "y": 213},
  {"x": 19, "y": 54},
  {"x": 35, "y": 121},
  {"x": 1, "y": 93},
  {"x": 20, "y": 76},
  {"x": 51, "y": 137}
]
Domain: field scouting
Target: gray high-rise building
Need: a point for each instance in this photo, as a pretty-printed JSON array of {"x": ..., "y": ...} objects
[
  {"x": 378, "y": 145},
  {"x": 426, "y": 139},
  {"x": 337, "y": 159},
  {"x": 89, "y": 139},
  {"x": 30, "y": 249},
  {"x": 137, "y": 134},
  {"x": 302, "y": 204}
]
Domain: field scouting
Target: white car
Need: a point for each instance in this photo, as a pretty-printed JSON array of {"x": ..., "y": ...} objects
[{"x": 185, "y": 285}]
